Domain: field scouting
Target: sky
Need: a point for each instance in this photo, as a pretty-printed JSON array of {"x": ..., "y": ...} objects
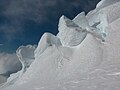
[{"x": 23, "y": 22}]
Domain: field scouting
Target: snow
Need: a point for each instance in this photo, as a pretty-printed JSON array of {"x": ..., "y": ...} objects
[
  {"x": 75, "y": 59},
  {"x": 105, "y": 15},
  {"x": 81, "y": 20},
  {"x": 70, "y": 33},
  {"x": 46, "y": 40},
  {"x": 105, "y": 3}
]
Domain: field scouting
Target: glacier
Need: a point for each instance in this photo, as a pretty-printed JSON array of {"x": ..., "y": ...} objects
[{"x": 84, "y": 55}]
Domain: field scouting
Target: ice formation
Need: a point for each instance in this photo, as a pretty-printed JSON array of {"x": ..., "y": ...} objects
[
  {"x": 105, "y": 3},
  {"x": 77, "y": 58},
  {"x": 26, "y": 55},
  {"x": 46, "y": 41},
  {"x": 70, "y": 33},
  {"x": 81, "y": 20}
]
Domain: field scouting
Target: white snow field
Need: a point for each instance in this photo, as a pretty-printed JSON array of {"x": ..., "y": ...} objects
[{"x": 85, "y": 54}]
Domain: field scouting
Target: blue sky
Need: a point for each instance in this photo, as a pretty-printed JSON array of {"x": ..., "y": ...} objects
[{"x": 23, "y": 22}]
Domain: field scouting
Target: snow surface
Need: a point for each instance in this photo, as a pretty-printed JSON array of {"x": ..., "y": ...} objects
[
  {"x": 46, "y": 40},
  {"x": 105, "y": 3},
  {"x": 70, "y": 33},
  {"x": 81, "y": 20},
  {"x": 79, "y": 60},
  {"x": 26, "y": 55}
]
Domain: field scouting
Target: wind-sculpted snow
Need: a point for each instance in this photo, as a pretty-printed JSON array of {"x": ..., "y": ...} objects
[
  {"x": 73, "y": 32},
  {"x": 79, "y": 60},
  {"x": 81, "y": 20},
  {"x": 70, "y": 33},
  {"x": 105, "y": 3},
  {"x": 26, "y": 55},
  {"x": 46, "y": 40}
]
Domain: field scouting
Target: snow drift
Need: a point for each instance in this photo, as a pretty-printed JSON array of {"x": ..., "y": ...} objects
[{"x": 83, "y": 56}]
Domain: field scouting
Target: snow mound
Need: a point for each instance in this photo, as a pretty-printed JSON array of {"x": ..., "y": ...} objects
[{"x": 75, "y": 59}]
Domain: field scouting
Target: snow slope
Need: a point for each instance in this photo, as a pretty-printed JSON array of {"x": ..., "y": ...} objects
[{"x": 76, "y": 60}]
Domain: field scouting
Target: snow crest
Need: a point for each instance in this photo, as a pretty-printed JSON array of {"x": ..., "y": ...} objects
[{"x": 83, "y": 56}]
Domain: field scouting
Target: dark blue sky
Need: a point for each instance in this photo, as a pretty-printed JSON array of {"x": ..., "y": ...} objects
[{"x": 23, "y": 22}]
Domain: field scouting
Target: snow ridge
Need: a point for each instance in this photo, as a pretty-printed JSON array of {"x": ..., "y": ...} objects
[{"x": 83, "y": 56}]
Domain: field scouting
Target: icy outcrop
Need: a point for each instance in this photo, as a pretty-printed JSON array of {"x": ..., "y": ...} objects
[
  {"x": 105, "y": 3},
  {"x": 105, "y": 15},
  {"x": 70, "y": 33},
  {"x": 26, "y": 55},
  {"x": 81, "y": 20},
  {"x": 73, "y": 32},
  {"x": 89, "y": 64},
  {"x": 46, "y": 40}
]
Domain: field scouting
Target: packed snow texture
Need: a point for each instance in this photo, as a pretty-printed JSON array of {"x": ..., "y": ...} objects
[
  {"x": 46, "y": 41},
  {"x": 83, "y": 56}
]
